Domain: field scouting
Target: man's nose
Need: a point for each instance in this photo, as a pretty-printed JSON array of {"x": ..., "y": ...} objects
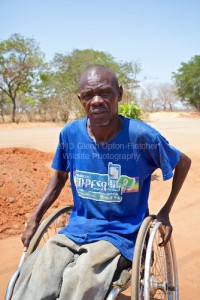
[{"x": 97, "y": 100}]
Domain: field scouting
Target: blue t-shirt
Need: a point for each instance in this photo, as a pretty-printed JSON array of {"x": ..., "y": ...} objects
[{"x": 110, "y": 182}]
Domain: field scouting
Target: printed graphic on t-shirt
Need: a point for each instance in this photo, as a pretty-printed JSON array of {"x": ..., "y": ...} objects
[{"x": 105, "y": 187}]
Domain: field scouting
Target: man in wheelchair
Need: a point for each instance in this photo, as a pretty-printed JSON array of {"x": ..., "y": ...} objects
[{"x": 109, "y": 159}]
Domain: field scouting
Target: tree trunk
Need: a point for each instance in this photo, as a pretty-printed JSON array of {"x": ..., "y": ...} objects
[
  {"x": 2, "y": 116},
  {"x": 198, "y": 106},
  {"x": 14, "y": 110}
]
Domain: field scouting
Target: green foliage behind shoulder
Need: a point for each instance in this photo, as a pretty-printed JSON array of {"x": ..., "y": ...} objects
[
  {"x": 130, "y": 110},
  {"x": 187, "y": 80}
]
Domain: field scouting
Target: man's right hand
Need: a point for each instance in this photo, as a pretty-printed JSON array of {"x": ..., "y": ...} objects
[{"x": 28, "y": 233}]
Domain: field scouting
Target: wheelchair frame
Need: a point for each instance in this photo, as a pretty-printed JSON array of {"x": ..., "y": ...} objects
[{"x": 154, "y": 273}]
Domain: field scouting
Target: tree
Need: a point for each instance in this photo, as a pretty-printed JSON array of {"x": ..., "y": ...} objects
[
  {"x": 166, "y": 95},
  {"x": 60, "y": 82},
  {"x": 68, "y": 68},
  {"x": 20, "y": 63},
  {"x": 25, "y": 105},
  {"x": 2, "y": 104},
  {"x": 149, "y": 100},
  {"x": 187, "y": 80},
  {"x": 156, "y": 97}
]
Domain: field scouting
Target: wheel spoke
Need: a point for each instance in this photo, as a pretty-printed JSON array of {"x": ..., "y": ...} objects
[{"x": 156, "y": 282}]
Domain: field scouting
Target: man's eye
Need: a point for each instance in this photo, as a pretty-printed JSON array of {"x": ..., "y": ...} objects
[
  {"x": 105, "y": 95},
  {"x": 87, "y": 97}
]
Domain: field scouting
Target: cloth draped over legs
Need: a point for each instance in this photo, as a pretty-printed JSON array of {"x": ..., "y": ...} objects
[{"x": 63, "y": 269}]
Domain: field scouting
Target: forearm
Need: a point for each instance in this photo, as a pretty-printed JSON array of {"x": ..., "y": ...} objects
[
  {"x": 180, "y": 174},
  {"x": 52, "y": 192}
]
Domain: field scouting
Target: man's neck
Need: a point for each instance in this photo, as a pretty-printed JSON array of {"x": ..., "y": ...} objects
[{"x": 102, "y": 134}]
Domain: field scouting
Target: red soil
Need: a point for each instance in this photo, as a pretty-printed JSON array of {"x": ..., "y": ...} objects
[{"x": 24, "y": 174}]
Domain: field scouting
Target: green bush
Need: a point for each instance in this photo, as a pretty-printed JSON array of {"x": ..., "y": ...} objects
[{"x": 130, "y": 110}]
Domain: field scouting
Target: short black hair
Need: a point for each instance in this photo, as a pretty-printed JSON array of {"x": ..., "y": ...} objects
[{"x": 102, "y": 68}]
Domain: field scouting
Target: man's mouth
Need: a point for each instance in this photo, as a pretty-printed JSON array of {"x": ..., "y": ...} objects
[{"x": 98, "y": 111}]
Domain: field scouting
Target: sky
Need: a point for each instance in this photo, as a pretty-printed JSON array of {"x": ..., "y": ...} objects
[{"x": 159, "y": 34}]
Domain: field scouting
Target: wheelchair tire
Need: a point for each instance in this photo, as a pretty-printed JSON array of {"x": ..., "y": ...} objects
[
  {"x": 44, "y": 227},
  {"x": 160, "y": 275},
  {"x": 154, "y": 271},
  {"x": 138, "y": 259}
]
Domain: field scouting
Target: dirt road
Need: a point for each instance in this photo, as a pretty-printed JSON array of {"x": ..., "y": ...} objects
[
  {"x": 184, "y": 133},
  {"x": 44, "y": 139}
]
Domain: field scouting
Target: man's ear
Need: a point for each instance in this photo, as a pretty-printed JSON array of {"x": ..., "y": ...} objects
[
  {"x": 120, "y": 93},
  {"x": 79, "y": 97}
]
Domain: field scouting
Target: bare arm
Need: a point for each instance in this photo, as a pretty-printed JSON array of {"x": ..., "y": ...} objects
[
  {"x": 52, "y": 192},
  {"x": 180, "y": 174}
]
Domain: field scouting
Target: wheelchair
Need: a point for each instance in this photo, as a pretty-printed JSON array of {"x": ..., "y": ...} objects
[{"x": 153, "y": 274}]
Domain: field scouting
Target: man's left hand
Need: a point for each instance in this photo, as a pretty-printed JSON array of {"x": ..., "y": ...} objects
[{"x": 164, "y": 218}]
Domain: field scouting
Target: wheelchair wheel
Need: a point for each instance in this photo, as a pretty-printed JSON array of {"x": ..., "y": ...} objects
[
  {"x": 50, "y": 226},
  {"x": 137, "y": 286},
  {"x": 154, "y": 268}
]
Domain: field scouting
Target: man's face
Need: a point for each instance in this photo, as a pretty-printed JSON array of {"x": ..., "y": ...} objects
[{"x": 99, "y": 95}]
